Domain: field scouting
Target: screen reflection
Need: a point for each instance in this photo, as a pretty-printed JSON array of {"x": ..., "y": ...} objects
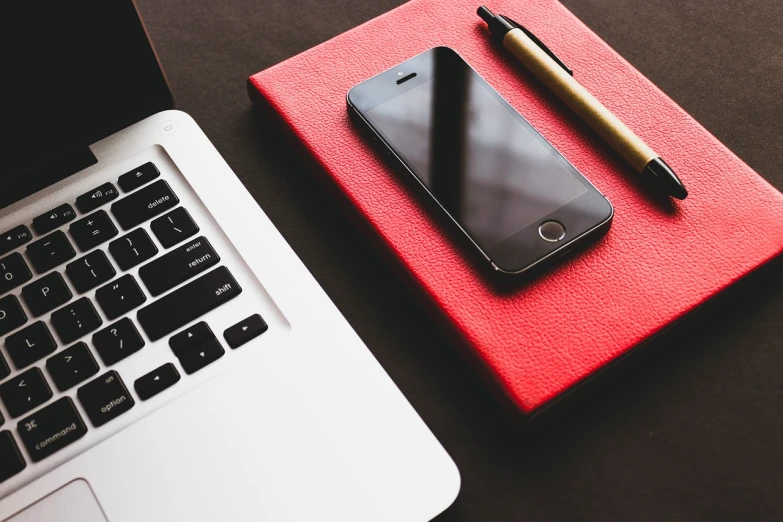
[{"x": 490, "y": 170}]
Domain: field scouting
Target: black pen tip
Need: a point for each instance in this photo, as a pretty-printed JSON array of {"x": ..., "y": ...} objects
[
  {"x": 663, "y": 177},
  {"x": 485, "y": 14}
]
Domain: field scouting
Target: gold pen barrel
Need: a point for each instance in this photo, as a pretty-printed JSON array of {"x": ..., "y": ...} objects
[{"x": 622, "y": 139}]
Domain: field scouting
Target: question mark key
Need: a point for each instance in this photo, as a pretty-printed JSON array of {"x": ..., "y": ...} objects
[{"x": 117, "y": 341}]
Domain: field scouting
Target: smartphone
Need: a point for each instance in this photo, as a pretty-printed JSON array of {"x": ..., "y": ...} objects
[{"x": 510, "y": 193}]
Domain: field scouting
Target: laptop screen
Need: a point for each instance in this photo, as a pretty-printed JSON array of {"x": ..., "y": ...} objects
[{"x": 73, "y": 72}]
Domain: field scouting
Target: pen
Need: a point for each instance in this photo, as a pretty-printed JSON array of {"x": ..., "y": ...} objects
[{"x": 545, "y": 66}]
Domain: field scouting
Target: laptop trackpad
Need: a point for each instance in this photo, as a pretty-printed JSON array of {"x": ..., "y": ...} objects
[{"x": 74, "y": 502}]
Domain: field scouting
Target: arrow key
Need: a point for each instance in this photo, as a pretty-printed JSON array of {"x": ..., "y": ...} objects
[
  {"x": 191, "y": 339},
  {"x": 156, "y": 381},
  {"x": 196, "y": 360},
  {"x": 196, "y": 347},
  {"x": 24, "y": 392},
  {"x": 71, "y": 366},
  {"x": 245, "y": 331}
]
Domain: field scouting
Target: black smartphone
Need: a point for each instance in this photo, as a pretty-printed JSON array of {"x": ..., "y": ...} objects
[{"x": 518, "y": 201}]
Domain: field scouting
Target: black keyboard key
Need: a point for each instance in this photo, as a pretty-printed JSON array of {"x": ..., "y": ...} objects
[
  {"x": 91, "y": 231},
  {"x": 95, "y": 198},
  {"x": 29, "y": 345},
  {"x": 46, "y": 294},
  {"x": 245, "y": 331},
  {"x": 156, "y": 381},
  {"x": 51, "y": 429},
  {"x": 15, "y": 237},
  {"x": 11, "y": 315},
  {"x": 132, "y": 249},
  {"x": 13, "y": 272},
  {"x": 54, "y": 218},
  {"x": 143, "y": 205},
  {"x": 208, "y": 353},
  {"x": 175, "y": 310},
  {"x": 24, "y": 392},
  {"x": 117, "y": 341},
  {"x": 196, "y": 347},
  {"x": 75, "y": 320},
  {"x": 120, "y": 296},
  {"x": 178, "y": 266},
  {"x": 105, "y": 398},
  {"x": 138, "y": 177},
  {"x": 191, "y": 339},
  {"x": 51, "y": 251},
  {"x": 71, "y": 366},
  {"x": 90, "y": 271},
  {"x": 5, "y": 371},
  {"x": 174, "y": 227},
  {"x": 11, "y": 461}
]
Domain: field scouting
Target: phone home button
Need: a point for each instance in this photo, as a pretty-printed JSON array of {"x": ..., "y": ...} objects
[{"x": 551, "y": 231}]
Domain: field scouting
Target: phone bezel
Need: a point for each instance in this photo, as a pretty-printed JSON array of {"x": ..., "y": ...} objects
[{"x": 585, "y": 217}]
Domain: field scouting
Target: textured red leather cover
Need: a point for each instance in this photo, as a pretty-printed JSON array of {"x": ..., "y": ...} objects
[{"x": 654, "y": 266}]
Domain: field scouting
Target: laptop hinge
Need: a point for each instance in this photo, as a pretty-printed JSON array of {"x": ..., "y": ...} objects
[{"x": 45, "y": 174}]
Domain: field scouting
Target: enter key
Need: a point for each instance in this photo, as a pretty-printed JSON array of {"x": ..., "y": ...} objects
[{"x": 178, "y": 266}]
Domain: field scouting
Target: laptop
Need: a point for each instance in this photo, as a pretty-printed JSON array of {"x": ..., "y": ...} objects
[{"x": 164, "y": 355}]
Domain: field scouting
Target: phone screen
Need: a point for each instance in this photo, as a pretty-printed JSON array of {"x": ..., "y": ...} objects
[{"x": 482, "y": 161}]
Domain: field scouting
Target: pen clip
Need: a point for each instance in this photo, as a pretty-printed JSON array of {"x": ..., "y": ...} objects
[{"x": 539, "y": 43}]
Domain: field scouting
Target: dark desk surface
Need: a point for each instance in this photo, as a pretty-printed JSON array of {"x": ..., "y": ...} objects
[{"x": 692, "y": 429}]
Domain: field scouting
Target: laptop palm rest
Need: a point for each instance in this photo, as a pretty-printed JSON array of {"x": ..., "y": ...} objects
[{"x": 74, "y": 502}]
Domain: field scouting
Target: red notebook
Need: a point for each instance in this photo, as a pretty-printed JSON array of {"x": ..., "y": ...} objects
[{"x": 652, "y": 268}]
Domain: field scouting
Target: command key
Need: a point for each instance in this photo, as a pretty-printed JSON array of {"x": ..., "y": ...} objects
[{"x": 50, "y": 429}]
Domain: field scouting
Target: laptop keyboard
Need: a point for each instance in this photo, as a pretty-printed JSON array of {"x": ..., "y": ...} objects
[{"x": 60, "y": 341}]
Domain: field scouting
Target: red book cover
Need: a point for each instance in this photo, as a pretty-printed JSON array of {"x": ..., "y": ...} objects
[{"x": 654, "y": 266}]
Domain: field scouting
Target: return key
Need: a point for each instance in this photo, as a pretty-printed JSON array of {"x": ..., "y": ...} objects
[{"x": 178, "y": 266}]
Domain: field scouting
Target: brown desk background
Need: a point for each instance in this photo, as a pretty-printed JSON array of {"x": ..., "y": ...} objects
[{"x": 692, "y": 429}]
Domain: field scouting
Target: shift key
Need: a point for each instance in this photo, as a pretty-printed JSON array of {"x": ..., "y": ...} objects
[
  {"x": 178, "y": 266},
  {"x": 51, "y": 429},
  {"x": 144, "y": 204},
  {"x": 180, "y": 307}
]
